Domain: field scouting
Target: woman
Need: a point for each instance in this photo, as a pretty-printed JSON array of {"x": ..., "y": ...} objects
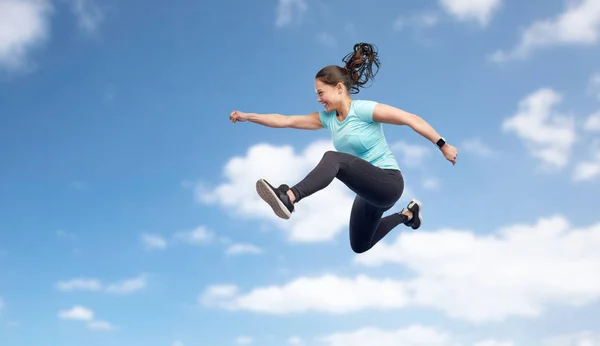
[{"x": 363, "y": 160}]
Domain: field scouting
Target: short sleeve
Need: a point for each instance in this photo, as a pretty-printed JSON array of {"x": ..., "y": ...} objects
[
  {"x": 325, "y": 119},
  {"x": 364, "y": 109}
]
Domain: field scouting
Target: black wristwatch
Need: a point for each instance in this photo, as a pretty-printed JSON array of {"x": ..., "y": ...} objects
[{"x": 441, "y": 142}]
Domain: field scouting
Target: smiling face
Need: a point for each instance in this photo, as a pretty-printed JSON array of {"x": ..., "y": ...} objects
[{"x": 331, "y": 97}]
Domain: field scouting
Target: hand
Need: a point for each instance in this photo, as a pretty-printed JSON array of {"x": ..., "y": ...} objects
[
  {"x": 450, "y": 153},
  {"x": 236, "y": 116}
]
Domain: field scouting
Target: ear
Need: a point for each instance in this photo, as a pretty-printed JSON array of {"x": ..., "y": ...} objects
[{"x": 339, "y": 88}]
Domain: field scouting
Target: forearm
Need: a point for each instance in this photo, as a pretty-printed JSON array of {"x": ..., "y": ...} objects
[
  {"x": 269, "y": 120},
  {"x": 424, "y": 129}
]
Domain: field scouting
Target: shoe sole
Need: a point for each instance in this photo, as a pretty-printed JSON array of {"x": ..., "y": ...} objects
[
  {"x": 268, "y": 195},
  {"x": 414, "y": 201}
]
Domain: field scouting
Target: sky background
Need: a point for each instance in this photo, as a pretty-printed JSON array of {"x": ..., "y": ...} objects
[{"x": 128, "y": 214}]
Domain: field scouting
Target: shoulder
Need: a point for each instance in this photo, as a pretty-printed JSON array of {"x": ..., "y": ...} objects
[
  {"x": 364, "y": 109},
  {"x": 326, "y": 117}
]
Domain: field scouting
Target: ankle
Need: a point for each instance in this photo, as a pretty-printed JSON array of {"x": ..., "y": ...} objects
[
  {"x": 408, "y": 213},
  {"x": 291, "y": 195}
]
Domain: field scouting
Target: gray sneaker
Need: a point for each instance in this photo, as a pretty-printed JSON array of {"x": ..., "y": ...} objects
[{"x": 276, "y": 198}]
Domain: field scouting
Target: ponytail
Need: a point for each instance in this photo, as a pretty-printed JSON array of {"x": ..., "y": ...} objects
[{"x": 357, "y": 70}]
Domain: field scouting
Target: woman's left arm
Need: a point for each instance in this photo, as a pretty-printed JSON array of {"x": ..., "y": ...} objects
[{"x": 391, "y": 115}]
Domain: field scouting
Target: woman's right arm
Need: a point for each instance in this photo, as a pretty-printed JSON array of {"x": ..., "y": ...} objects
[{"x": 302, "y": 122}]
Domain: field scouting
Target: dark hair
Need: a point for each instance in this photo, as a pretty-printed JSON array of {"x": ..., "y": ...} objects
[{"x": 356, "y": 72}]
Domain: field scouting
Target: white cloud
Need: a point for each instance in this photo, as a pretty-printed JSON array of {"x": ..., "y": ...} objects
[
  {"x": 411, "y": 155},
  {"x": 241, "y": 249},
  {"x": 480, "y": 11},
  {"x": 549, "y": 135},
  {"x": 78, "y": 312},
  {"x": 24, "y": 26},
  {"x": 327, "y": 293},
  {"x": 494, "y": 343},
  {"x": 89, "y": 15},
  {"x": 578, "y": 24},
  {"x": 414, "y": 335},
  {"x": 584, "y": 338},
  {"x": 589, "y": 169},
  {"x": 243, "y": 340},
  {"x": 177, "y": 343},
  {"x": 154, "y": 241},
  {"x": 82, "y": 313},
  {"x": 198, "y": 236},
  {"x": 592, "y": 123},
  {"x": 90, "y": 284},
  {"x": 475, "y": 146},
  {"x": 289, "y": 11},
  {"x": 458, "y": 271},
  {"x": 237, "y": 194},
  {"x": 100, "y": 326},
  {"x": 454, "y": 271},
  {"x": 128, "y": 286}
]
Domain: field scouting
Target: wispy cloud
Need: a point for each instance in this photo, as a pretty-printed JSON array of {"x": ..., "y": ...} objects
[
  {"x": 578, "y": 24},
  {"x": 290, "y": 11},
  {"x": 126, "y": 286},
  {"x": 88, "y": 13}
]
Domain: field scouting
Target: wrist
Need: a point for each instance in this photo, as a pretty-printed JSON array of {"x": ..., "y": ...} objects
[{"x": 440, "y": 143}]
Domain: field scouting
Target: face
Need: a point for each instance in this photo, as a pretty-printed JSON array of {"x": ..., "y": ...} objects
[{"x": 329, "y": 96}]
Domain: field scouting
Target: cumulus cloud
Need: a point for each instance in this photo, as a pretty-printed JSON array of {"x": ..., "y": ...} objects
[
  {"x": 78, "y": 312},
  {"x": 584, "y": 338},
  {"x": 480, "y": 11},
  {"x": 466, "y": 275},
  {"x": 24, "y": 26},
  {"x": 414, "y": 335},
  {"x": 237, "y": 194},
  {"x": 84, "y": 314},
  {"x": 578, "y": 24},
  {"x": 548, "y": 134},
  {"x": 94, "y": 285},
  {"x": 327, "y": 293}
]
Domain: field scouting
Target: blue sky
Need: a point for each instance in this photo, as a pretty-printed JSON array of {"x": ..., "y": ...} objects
[{"x": 129, "y": 215}]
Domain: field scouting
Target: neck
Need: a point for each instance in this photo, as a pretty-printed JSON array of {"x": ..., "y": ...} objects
[{"x": 344, "y": 108}]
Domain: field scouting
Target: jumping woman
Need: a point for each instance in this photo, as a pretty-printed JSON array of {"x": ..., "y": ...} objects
[{"x": 362, "y": 161}]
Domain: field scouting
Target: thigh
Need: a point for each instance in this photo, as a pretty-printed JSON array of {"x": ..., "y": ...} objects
[
  {"x": 377, "y": 186},
  {"x": 364, "y": 221}
]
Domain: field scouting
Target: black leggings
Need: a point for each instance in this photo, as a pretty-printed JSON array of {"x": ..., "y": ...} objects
[{"x": 377, "y": 190}]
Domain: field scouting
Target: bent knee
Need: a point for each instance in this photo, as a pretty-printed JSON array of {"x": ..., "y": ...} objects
[{"x": 359, "y": 247}]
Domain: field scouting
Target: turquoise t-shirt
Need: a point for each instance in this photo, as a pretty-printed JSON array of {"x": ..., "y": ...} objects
[{"x": 359, "y": 135}]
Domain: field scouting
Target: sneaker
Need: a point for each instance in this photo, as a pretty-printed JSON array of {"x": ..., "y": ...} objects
[
  {"x": 415, "y": 207},
  {"x": 276, "y": 198}
]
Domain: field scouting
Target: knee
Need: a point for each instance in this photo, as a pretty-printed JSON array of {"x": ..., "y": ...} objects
[
  {"x": 330, "y": 155},
  {"x": 359, "y": 247}
]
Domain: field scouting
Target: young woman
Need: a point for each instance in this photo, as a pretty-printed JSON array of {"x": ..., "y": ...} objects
[{"x": 363, "y": 160}]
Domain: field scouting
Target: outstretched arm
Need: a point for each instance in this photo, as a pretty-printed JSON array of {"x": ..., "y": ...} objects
[
  {"x": 302, "y": 122},
  {"x": 391, "y": 115}
]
